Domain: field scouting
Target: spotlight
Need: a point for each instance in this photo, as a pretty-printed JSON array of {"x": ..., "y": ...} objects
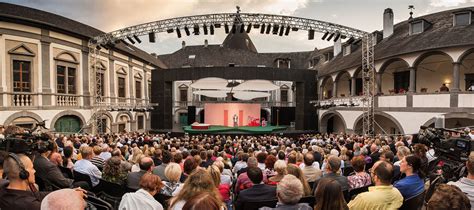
[
  {"x": 117, "y": 41},
  {"x": 275, "y": 29},
  {"x": 282, "y": 29},
  {"x": 151, "y": 37},
  {"x": 130, "y": 40},
  {"x": 186, "y": 29},
  {"x": 256, "y": 25},
  {"x": 234, "y": 28},
  {"x": 226, "y": 28},
  {"x": 294, "y": 29},
  {"x": 325, "y": 35},
  {"x": 337, "y": 37},
  {"x": 212, "y": 29},
  {"x": 350, "y": 40},
  {"x": 178, "y": 32},
  {"x": 287, "y": 31},
  {"x": 310, "y": 34},
  {"x": 217, "y": 25},
  {"x": 98, "y": 47},
  {"x": 196, "y": 30},
  {"x": 262, "y": 29},
  {"x": 136, "y": 38},
  {"x": 170, "y": 30},
  {"x": 268, "y": 29},
  {"x": 204, "y": 27},
  {"x": 343, "y": 36},
  {"x": 330, "y": 37},
  {"x": 249, "y": 27},
  {"x": 242, "y": 28}
]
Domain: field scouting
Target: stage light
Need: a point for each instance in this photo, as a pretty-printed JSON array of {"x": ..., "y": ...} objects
[
  {"x": 242, "y": 28},
  {"x": 178, "y": 32},
  {"x": 234, "y": 28},
  {"x": 294, "y": 29},
  {"x": 330, "y": 37},
  {"x": 310, "y": 34},
  {"x": 151, "y": 37},
  {"x": 287, "y": 31},
  {"x": 282, "y": 29},
  {"x": 204, "y": 27},
  {"x": 136, "y": 38},
  {"x": 262, "y": 29},
  {"x": 350, "y": 40},
  {"x": 117, "y": 41},
  {"x": 211, "y": 29},
  {"x": 337, "y": 37},
  {"x": 196, "y": 30},
  {"x": 217, "y": 25},
  {"x": 256, "y": 25},
  {"x": 249, "y": 27},
  {"x": 325, "y": 35},
  {"x": 343, "y": 36},
  {"x": 98, "y": 47},
  {"x": 268, "y": 29},
  {"x": 170, "y": 30},
  {"x": 275, "y": 29},
  {"x": 130, "y": 40},
  {"x": 226, "y": 28},
  {"x": 186, "y": 29}
]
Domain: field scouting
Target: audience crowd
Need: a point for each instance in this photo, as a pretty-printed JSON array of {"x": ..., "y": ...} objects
[{"x": 321, "y": 172}]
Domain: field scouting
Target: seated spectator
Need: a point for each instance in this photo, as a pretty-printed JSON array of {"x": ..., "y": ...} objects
[
  {"x": 225, "y": 179},
  {"x": 402, "y": 151},
  {"x": 85, "y": 166},
  {"x": 389, "y": 157},
  {"x": 250, "y": 161},
  {"x": 97, "y": 160},
  {"x": 55, "y": 157},
  {"x": 448, "y": 197},
  {"x": 329, "y": 196},
  {"x": 258, "y": 192},
  {"x": 67, "y": 159},
  {"x": 412, "y": 185},
  {"x": 360, "y": 178},
  {"x": 105, "y": 154},
  {"x": 55, "y": 200},
  {"x": 289, "y": 193},
  {"x": 136, "y": 167},
  {"x": 243, "y": 181},
  {"x": 466, "y": 184},
  {"x": 133, "y": 178},
  {"x": 269, "y": 163},
  {"x": 298, "y": 173},
  {"x": 281, "y": 171},
  {"x": 124, "y": 165},
  {"x": 150, "y": 184},
  {"x": 224, "y": 189},
  {"x": 205, "y": 201},
  {"x": 173, "y": 186},
  {"x": 383, "y": 195},
  {"x": 200, "y": 181},
  {"x": 160, "y": 170},
  {"x": 332, "y": 167},
  {"x": 241, "y": 163},
  {"x": 113, "y": 172},
  {"x": 20, "y": 192},
  {"x": 261, "y": 156},
  {"x": 3, "y": 156},
  {"x": 311, "y": 169},
  {"x": 188, "y": 167}
]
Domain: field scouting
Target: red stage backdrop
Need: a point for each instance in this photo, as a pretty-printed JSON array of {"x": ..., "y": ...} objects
[{"x": 223, "y": 113}]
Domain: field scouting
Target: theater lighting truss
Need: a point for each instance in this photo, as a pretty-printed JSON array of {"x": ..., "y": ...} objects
[{"x": 281, "y": 25}]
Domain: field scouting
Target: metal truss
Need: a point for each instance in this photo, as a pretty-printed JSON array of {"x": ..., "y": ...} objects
[
  {"x": 250, "y": 20},
  {"x": 368, "y": 77}
]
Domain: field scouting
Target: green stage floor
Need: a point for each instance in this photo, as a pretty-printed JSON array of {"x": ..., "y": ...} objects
[{"x": 242, "y": 129}]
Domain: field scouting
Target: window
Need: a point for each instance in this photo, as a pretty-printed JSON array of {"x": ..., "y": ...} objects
[
  {"x": 183, "y": 94},
  {"x": 149, "y": 90},
  {"x": 140, "y": 122},
  {"x": 138, "y": 89},
  {"x": 346, "y": 50},
  {"x": 462, "y": 19},
  {"x": 416, "y": 27},
  {"x": 101, "y": 82},
  {"x": 21, "y": 76},
  {"x": 283, "y": 64},
  {"x": 401, "y": 81},
  {"x": 121, "y": 87},
  {"x": 284, "y": 95},
  {"x": 66, "y": 79},
  {"x": 192, "y": 56}
]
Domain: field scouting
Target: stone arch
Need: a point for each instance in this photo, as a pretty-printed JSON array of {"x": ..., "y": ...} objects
[
  {"x": 423, "y": 56},
  {"x": 61, "y": 57},
  {"x": 343, "y": 88},
  {"x": 128, "y": 113},
  {"x": 323, "y": 121},
  {"x": 433, "y": 68},
  {"x": 465, "y": 54},
  {"x": 390, "y": 61},
  {"x": 67, "y": 112},
  {"x": 452, "y": 115},
  {"x": 382, "y": 114},
  {"x": 177, "y": 116},
  {"x": 327, "y": 88},
  {"x": 394, "y": 76},
  {"x": 19, "y": 114}
]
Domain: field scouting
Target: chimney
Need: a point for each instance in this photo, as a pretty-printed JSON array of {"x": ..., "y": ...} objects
[
  {"x": 206, "y": 43},
  {"x": 387, "y": 23},
  {"x": 183, "y": 44},
  {"x": 337, "y": 47}
]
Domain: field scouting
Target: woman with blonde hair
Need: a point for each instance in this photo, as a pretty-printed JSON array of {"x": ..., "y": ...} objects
[
  {"x": 280, "y": 168},
  {"x": 173, "y": 185},
  {"x": 298, "y": 173},
  {"x": 136, "y": 161},
  {"x": 224, "y": 189},
  {"x": 200, "y": 181}
]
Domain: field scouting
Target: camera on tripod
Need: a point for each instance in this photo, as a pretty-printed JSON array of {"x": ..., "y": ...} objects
[{"x": 444, "y": 145}]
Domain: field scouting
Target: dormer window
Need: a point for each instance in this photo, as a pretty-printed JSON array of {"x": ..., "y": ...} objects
[
  {"x": 313, "y": 62},
  {"x": 283, "y": 63},
  {"x": 418, "y": 26},
  {"x": 192, "y": 56},
  {"x": 462, "y": 19},
  {"x": 328, "y": 56},
  {"x": 346, "y": 50}
]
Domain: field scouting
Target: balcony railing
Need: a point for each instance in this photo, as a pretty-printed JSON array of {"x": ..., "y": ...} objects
[
  {"x": 66, "y": 100},
  {"x": 134, "y": 104},
  {"x": 22, "y": 99}
]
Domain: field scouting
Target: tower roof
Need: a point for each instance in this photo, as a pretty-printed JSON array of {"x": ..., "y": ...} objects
[{"x": 239, "y": 40}]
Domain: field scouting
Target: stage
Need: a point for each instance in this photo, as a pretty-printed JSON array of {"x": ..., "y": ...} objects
[{"x": 241, "y": 129}]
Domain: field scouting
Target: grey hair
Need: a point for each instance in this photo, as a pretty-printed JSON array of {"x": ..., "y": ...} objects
[
  {"x": 252, "y": 161},
  {"x": 55, "y": 200},
  {"x": 289, "y": 190}
]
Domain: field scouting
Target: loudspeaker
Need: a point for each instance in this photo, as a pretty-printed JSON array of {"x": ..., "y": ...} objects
[{"x": 191, "y": 114}]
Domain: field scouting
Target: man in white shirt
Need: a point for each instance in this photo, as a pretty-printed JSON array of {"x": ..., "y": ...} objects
[
  {"x": 466, "y": 184},
  {"x": 85, "y": 166}
]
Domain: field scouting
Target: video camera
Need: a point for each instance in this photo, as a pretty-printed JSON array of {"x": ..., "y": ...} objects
[{"x": 21, "y": 140}]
